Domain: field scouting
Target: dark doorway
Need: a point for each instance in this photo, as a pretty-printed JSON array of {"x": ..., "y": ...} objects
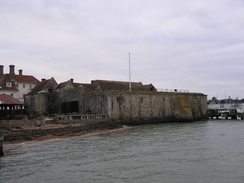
[{"x": 70, "y": 107}]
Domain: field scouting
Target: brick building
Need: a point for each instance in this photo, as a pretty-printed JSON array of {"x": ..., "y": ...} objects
[{"x": 16, "y": 85}]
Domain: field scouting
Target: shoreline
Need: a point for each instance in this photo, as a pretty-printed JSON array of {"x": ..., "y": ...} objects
[{"x": 59, "y": 131}]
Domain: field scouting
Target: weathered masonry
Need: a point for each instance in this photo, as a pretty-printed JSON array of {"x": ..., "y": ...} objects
[{"x": 142, "y": 106}]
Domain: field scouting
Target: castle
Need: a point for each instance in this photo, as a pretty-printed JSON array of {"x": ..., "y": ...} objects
[{"x": 112, "y": 98}]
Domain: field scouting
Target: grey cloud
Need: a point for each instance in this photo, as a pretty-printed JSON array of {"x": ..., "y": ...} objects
[{"x": 196, "y": 45}]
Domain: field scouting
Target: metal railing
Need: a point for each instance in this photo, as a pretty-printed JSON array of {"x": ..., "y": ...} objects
[{"x": 173, "y": 90}]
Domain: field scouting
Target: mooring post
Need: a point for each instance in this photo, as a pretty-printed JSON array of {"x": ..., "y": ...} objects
[{"x": 1, "y": 142}]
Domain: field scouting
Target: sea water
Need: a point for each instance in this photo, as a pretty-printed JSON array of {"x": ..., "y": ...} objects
[{"x": 209, "y": 151}]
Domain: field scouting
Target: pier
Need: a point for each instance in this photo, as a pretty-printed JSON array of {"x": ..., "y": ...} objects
[
  {"x": 220, "y": 114},
  {"x": 225, "y": 109}
]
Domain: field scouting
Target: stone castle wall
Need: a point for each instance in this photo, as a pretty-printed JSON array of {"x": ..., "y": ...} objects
[{"x": 134, "y": 106}]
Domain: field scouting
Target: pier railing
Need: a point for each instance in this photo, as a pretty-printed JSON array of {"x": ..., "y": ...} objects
[{"x": 225, "y": 114}]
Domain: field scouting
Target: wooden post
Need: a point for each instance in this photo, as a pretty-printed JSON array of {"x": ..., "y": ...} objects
[{"x": 1, "y": 142}]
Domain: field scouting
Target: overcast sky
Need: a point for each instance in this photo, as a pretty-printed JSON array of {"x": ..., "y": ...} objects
[{"x": 197, "y": 45}]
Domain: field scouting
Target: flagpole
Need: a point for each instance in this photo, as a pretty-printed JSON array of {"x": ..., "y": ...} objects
[{"x": 129, "y": 75}]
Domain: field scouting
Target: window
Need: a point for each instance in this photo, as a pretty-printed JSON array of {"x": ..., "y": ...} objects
[
  {"x": 8, "y": 84},
  {"x": 30, "y": 86},
  {"x": 12, "y": 95},
  {"x": 23, "y": 85}
]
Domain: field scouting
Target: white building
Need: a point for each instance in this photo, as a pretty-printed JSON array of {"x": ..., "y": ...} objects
[
  {"x": 239, "y": 107},
  {"x": 16, "y": 85}
]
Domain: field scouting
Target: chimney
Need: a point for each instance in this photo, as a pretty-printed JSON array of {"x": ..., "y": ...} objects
[
  {"x": 20, "y": 72},
  {"x": 43, "y": 79},
  {"x": 11, "y": 71},
  {"x": 1, "y": 70},
  {"x": 72, "y": 80}
]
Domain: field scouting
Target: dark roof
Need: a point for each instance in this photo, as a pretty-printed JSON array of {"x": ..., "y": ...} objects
[
  {"x": 88, "y": 87},
  {"x": 61, "y": 85},
  {"x": 45, "y": 85},
  {"x": 120, "y": 85},
  {"x": 39, "y": 87},
  {"x": 7, "y": 99},
  {"x": 148, "y": 87},
  {"x": 116, "y": 85}
]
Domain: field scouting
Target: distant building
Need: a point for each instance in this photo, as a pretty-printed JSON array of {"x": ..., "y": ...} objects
[
  {"x": 10, "y": 107},
  {"x": 225, "y": 105},
  {"x": 16, "y": 85}
]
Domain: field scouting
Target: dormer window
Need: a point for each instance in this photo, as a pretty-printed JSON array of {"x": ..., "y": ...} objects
[{"x": 8, "y": 84}]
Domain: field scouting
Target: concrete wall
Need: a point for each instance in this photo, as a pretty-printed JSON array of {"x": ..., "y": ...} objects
[{"x": 137, "y": 106}]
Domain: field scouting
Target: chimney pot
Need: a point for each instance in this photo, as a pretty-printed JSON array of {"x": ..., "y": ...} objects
[
  {"x": 11, "y": 71},
  {"x": 20, "y": 72},
  {"x": 1, "y": 70}
]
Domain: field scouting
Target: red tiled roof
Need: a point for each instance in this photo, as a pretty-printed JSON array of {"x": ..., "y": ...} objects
[
  {"x": 3, "y": 86},
  {"x": 26, "y": 79},
  {"x": 19, "y": 79},
  {"x": 7, "y": 99}
]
